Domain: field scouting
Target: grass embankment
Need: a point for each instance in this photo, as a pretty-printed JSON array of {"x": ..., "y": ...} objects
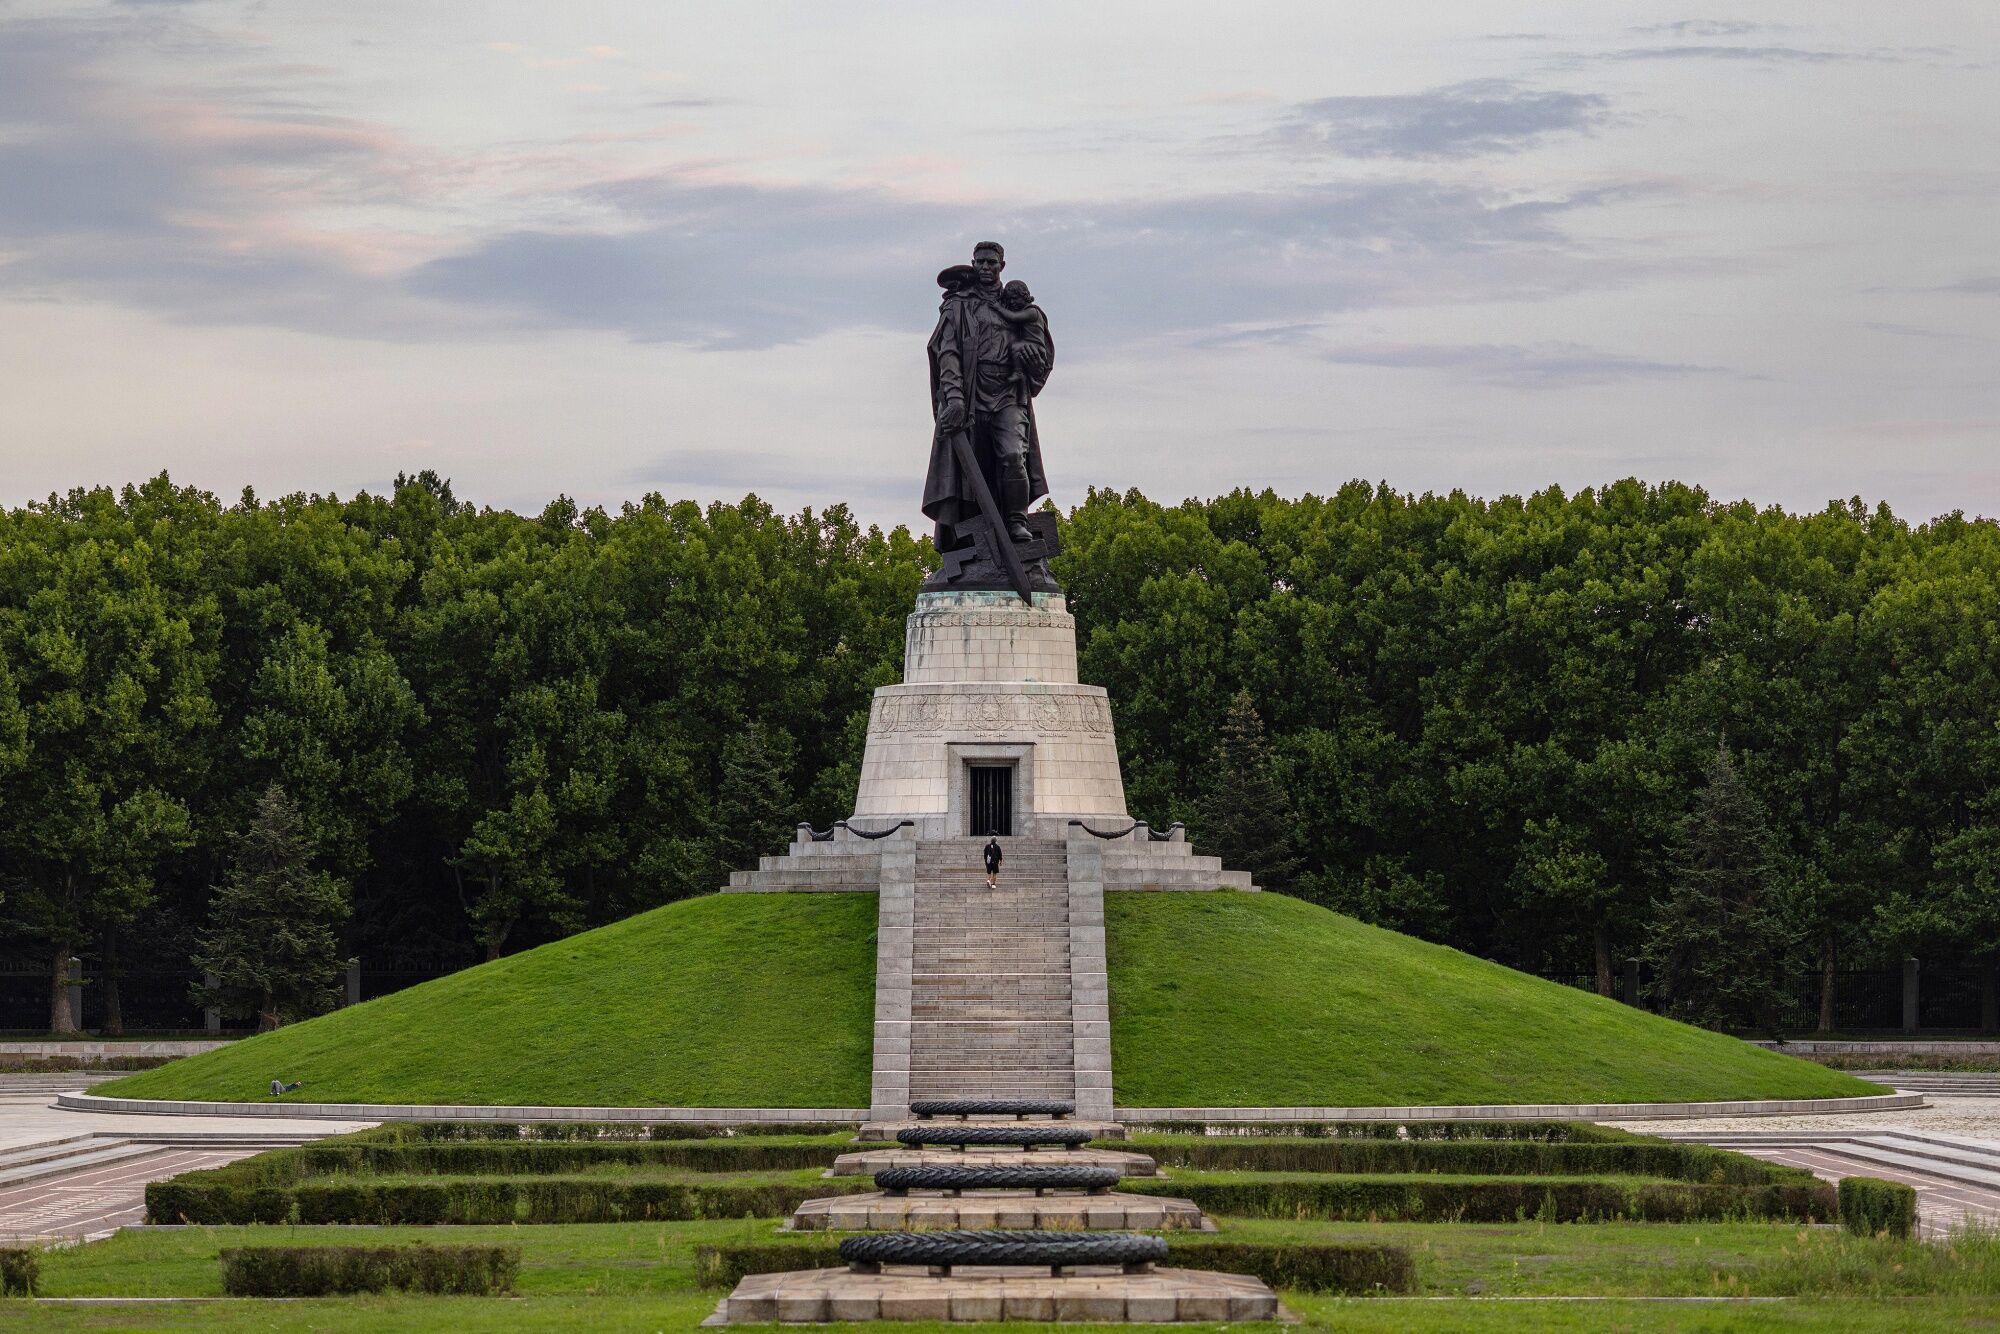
[
  {"x": 1221, "y": 1000},
  {"x": 731, "y": 1000}
]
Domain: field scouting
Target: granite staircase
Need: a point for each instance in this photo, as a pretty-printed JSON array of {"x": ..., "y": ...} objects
[{"x": 990, "y": 973}]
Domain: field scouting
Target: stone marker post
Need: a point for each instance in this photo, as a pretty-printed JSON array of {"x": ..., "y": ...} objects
[
  {"x": 1909, "y": 995},
  {"x": 73, "y": 981}
]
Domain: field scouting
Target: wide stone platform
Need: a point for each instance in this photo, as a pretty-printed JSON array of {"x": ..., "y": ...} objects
[
  {"x": 1160, "y": 1296},
  {"x": 873, "y": 1131},
  {"x": 867, "y": 1162},
  {"x": 1019, "y": 1209}
]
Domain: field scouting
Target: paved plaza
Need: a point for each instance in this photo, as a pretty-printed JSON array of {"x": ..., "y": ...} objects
[
  {"x": 1949, "y": 1152},
  {"x": 67, "y": 1175}
]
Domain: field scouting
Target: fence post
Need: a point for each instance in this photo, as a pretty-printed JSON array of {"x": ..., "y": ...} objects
[
  {"x": 1909, "y": 995},
  {"x": 353, "y": 993},
  {"x": 73, "y": 982},
  {"x": 1631, "y": 996},
  {"x": 211, "y": 1015}
]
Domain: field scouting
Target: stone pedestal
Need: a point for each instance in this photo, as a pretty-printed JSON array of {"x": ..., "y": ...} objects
[
  {"x": 991, "y": 681},
  {"x": 933, "y": 1211},
  {"x": 809, "y": 1296}
]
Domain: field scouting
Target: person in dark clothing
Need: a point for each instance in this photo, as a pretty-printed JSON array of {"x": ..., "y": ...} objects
[{"x": 993, "y": 862}]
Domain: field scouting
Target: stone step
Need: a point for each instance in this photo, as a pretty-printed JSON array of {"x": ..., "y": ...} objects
[
  {"x": 102, "y": 1154},
  {"x": 967, "y": 957},
  {"x": 922, "y": 993},
  {"x": 49, "y": 1150},
  {"x": 932, "y": 1086},
  {"x": 952, "y": 1051},
  {"x": 1049, "y": 1010}
]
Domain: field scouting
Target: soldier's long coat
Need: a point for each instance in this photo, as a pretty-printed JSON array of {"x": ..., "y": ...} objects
[{"x": 948, "y": 495}]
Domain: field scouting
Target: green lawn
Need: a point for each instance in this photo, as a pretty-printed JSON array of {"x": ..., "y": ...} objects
[
  {"x": 731, "y": 1000},
  {"x": 1263, "y": 1000},
  {"x": 635, "y": 1276}
]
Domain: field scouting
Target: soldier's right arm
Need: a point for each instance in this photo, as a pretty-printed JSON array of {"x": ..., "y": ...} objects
[{"x": 950, "y": 390}]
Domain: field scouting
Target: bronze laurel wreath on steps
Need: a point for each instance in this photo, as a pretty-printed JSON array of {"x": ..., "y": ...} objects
[
  {"x": 1036, "y": 1176},
  {"x": 1058, "y": 1250}
]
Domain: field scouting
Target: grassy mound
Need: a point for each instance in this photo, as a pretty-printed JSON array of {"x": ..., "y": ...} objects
[
  {"x": 1221, "y": 1000},
  {"x": 766, "y": 1000},
  {"x": 732, "y": 1000}
]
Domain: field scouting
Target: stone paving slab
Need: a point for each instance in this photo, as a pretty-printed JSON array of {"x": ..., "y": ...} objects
[
  {"x": 867, "y": 1162},
  {"x": 984, "y": 1209},
  {"x": 1161, "y": 1296}
]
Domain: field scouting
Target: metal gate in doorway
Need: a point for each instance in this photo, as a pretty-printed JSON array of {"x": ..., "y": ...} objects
[{"x": 992, "y": 799}]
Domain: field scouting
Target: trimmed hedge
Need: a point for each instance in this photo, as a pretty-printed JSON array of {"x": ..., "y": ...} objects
[
  {"x": 1413, "y": 1199},
  {"x": 1638, "y": 1157},
  {"x": 327, "y": 1271},
  {"x": 214, "y": 1197},
  {"x": 1870, "y": 1206},
  {"x": 545, "y": 1159},
  {"x": 1355, "y": 1270},
  {"x": 435, "y": 1132},
  {"x": 1547, "y": 1132},
  {"x": 20, "y": 1270}
]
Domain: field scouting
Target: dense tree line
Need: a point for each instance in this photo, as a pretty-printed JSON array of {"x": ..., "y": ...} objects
[
  {"x": 1492, "y": 719},
  {"x": 1499, "y": 724},
  {"x": 495, "y": 729}
]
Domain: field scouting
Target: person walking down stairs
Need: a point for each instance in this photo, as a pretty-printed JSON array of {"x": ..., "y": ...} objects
[{"x": 993, "y": 861}]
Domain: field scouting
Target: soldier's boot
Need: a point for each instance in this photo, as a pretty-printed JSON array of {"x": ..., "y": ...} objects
[{"x": 1014, "y": 503}]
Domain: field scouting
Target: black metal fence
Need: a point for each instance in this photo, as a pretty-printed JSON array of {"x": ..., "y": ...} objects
[{"x": 163, "y": 1000}]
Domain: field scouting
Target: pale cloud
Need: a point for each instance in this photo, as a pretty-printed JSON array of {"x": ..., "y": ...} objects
[
  {"x": 1478, "y": 118},
  {"x": 1543, "y": 366}
]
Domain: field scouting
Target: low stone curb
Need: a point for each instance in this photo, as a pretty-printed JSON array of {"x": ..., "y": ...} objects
[
  {"x": 380, "y": 1111},
  {"x": 1879, "y": 1047},
  {"x": 1599, "y": 1111},
  {"x": 1572, "y": 1111},
  {"x": 82, "y": 1048}
]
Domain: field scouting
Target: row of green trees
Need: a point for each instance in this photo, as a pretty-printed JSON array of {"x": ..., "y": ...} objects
[
  {"x": 1485, "y": 722},
  {"x": 493, "y": 727},
  {"x": 1491, "y": 720}
]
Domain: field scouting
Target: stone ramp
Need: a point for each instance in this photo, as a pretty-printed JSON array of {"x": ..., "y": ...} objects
[{"x": 990, "y": 994}]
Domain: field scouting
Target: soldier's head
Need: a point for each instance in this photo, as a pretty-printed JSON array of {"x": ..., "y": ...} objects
[{"x": 989, "y": 258}]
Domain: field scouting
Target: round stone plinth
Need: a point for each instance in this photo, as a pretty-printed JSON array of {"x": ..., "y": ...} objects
[
  {"x": 987, "y": 1209},
  {"x": 867, "y": 1162},
  {"x": 1161, "y": 1296}
]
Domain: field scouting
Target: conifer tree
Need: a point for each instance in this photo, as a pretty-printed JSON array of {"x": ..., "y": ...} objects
[
  {"x": 272, "y": 940},
  {"x": 754, "y": 813},
  {"x": 1246, "y": 817},
  {"x": 1718, "y": 936}
]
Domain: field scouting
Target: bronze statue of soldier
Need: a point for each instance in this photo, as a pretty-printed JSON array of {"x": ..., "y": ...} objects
[{"x": 990, "y": 355}]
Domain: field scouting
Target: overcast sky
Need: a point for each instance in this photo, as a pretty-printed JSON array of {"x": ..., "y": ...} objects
[{"x": 601, "y": 249}]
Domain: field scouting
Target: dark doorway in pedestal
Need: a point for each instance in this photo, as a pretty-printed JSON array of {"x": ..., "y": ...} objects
[{"x": 992, "y": 805}]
